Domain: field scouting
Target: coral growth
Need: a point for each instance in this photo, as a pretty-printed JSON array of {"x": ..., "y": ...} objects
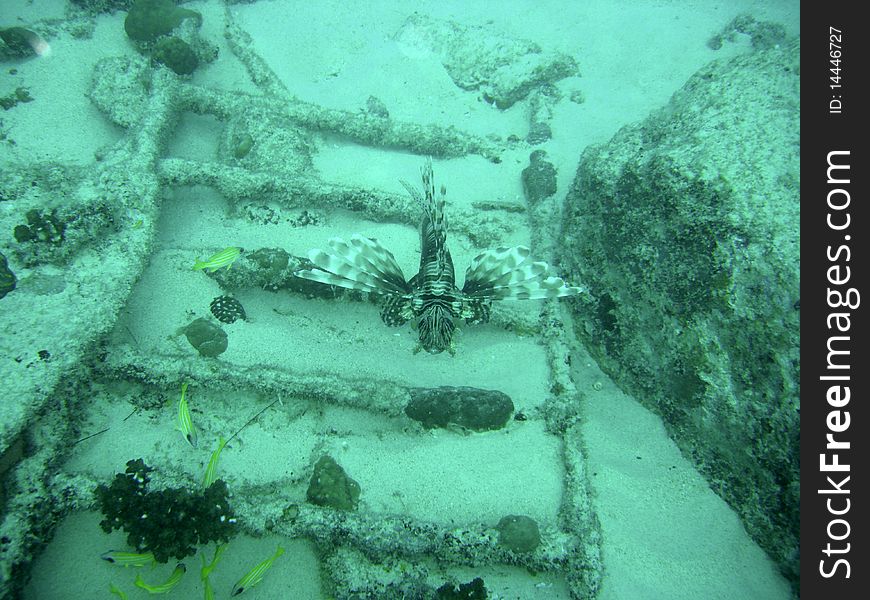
[{"x": 169, "y": 523}]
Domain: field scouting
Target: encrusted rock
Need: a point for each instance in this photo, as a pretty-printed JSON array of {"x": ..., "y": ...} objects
[
  {"x": 503, "y": 68},
  {"x": 539, "y": 133},
  {"x": 7, "y": 277},
  {"x": 686, "y": 230},
  {"x": 468, "y": 407},
  {"x": 539, "y": 178},
  {"x": 331, "y": 486},
  {"x": 518, "y": 533},
  {"x": 208, "y": 339}
]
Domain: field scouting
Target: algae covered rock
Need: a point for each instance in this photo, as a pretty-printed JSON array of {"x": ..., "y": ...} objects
[
  {"x": 503, "y": 68},
  {"x": 42, "y": 226},
  {"x": 473, "y": 590},
  {"x": 55, "y": 235},
  {"x": 518, "y": 533},
  {"x": 468, "y": 407},
  {"x": 7, "y": 277},
  {"x": 208, "y": 339},
  {"x": 539, "y": 178},
  {"x": 20, "y": 41},
  {"x": 149, "y": 19},
  {"x": 685, "y": 229},
  {"x": 331, "y": 486},
  {"x": 176, "y": 54}
]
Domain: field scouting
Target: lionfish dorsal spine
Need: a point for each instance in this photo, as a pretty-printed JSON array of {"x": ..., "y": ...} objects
[{"x": 435, "y": 261}]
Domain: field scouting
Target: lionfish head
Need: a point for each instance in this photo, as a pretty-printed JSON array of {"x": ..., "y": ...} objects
[{"x": 435, "y": 328}]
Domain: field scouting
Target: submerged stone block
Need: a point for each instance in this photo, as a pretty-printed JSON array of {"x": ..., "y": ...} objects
[
  {"x": 503, "y": 68},
  {"x": 686, "y": 230}
]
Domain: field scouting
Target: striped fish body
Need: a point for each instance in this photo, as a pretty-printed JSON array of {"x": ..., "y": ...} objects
[
  {"x": 211, "y": 469},
  {"x": 431, "y": 298},
  {"x": 224, "y": 258},
  {"x": 185, "y": 424},
  {"x": 128, "y": 559},
  {"x": 255, "y": 575},
  {"x": 435, "y": 300},
  {"x": 165, "y": 587}
]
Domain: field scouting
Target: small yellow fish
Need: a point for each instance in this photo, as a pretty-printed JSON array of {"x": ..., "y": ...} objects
[
  {"x": 117, "y": 591},
  {"x": 185, "y": 425},
  {"x": 255, "y": 575},
  {"x": 163, "y": 587},
  {"x": 208, "y": 568},
  {"x": 224, "y": 258},
  {"x": 209, "y": 593},
  {"x": 128, "y": 559},
  {"x": 211, "y": 469}
]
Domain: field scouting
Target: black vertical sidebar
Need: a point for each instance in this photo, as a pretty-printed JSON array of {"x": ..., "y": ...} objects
[{"x": 835, "y": 364}]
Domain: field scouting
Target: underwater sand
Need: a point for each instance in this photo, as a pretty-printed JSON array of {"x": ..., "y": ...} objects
[{"x": 665, "y": 533}]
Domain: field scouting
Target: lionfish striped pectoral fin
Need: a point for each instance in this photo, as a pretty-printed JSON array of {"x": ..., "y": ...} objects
[
  {"x": 505, "y": 273},
  {"x": 396, "y": 310},
  {"x": 361, "y": 264}
]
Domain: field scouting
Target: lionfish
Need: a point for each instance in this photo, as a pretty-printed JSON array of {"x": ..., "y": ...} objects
[{"x": 431, "y": 297}]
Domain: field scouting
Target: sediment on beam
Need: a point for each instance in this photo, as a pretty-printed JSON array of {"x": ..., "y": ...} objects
[{"x": 377, "y": 395}]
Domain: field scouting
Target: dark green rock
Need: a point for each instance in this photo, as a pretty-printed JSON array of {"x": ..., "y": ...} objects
[
  {"x": 208, "y": 338},
  {"x": 468, "y": 407},
  {"x": 22, "y": 233},
  {"x": 473, "y": 590},
  {"x": 518, "y": 533},
  {"x": 539, "y": 178},
  {"x": 42, "y": 226},
  {"x": 176, "y": 54},
  {"x": 19, "y": 41},
  {"x": 149, "y": 19},
  {"x": 7, "y": 277},
  {"x": 272, "y": 261},
  {"x": 243, "y": 146},
  {"x": 17, "y": 96},
  {"x": 331, "y": 486}
]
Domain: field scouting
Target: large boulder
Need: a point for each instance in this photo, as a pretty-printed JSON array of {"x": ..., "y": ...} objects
[{"x": 685, "y": 228}]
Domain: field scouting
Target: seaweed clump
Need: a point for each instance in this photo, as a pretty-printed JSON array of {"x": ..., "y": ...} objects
[
  {"x": 169, "y": 523},
  {"x": 473, "y": 590}
]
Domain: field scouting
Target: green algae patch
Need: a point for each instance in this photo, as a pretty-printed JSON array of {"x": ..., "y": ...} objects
[
  {"x": 518, "y": 533},
  {"x": 176, "y": 54},
  {"x": 150, "y": 19}
]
